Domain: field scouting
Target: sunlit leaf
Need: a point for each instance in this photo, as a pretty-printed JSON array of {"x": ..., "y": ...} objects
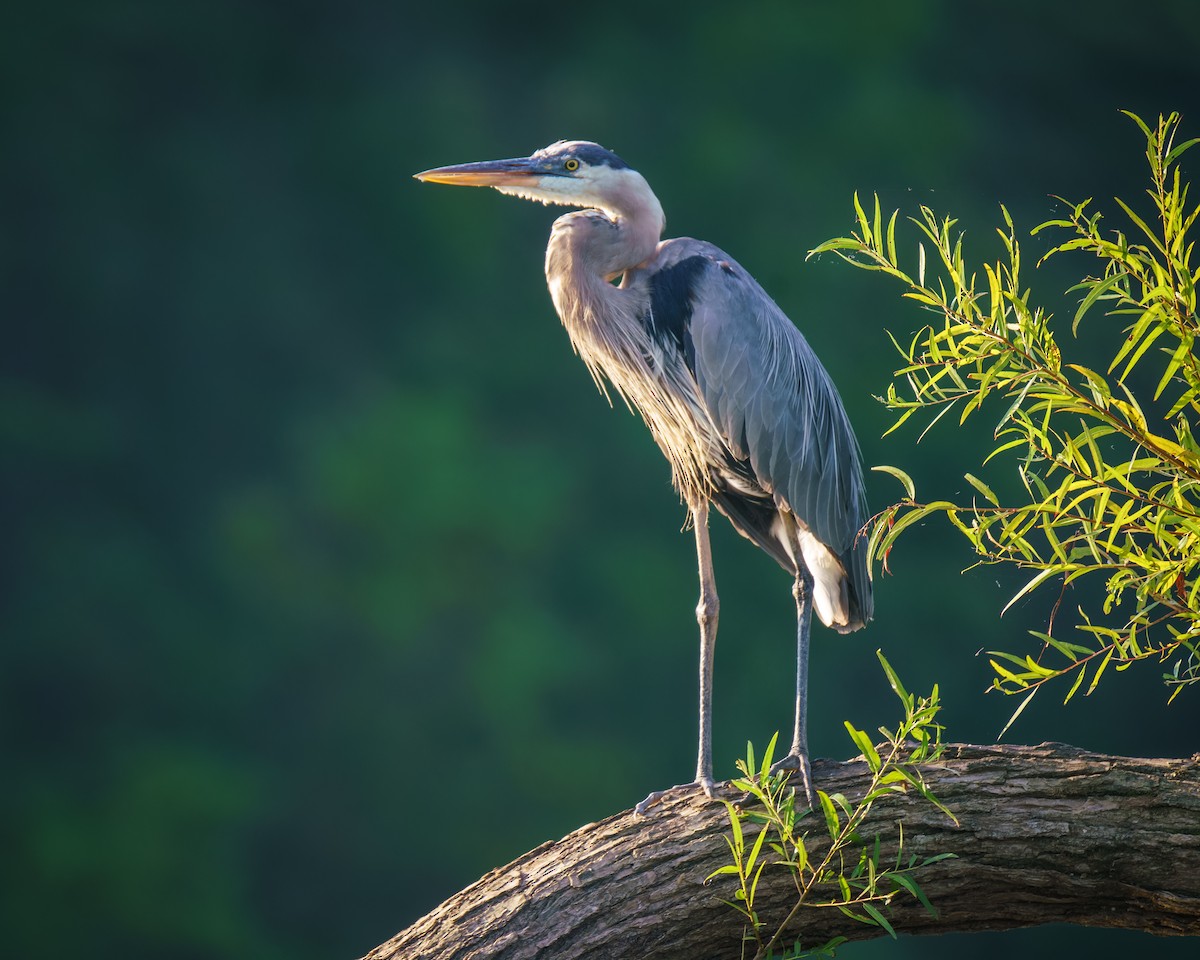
[
  {"x": 982, "y": 488},
  {"x": 900, "y": 475}
]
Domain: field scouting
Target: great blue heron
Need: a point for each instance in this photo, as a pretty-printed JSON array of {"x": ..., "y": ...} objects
[{"x": 732, "y": 392}]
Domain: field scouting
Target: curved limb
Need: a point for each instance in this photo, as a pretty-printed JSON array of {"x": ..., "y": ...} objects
[{"x": 706, "y": 616}]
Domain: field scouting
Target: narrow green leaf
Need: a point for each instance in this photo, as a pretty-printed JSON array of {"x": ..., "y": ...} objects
[
  {"x": 1182, "y": 352},
  {"x": 863, "y": 224},
  {"x": 1080, "y": 673},
  {"x": 1016, "y": 404},
  {"x": 756, "y": 849},
  {"x": 1096, "y": 291},
  {"x": 1041, "y": 577},
  {"x": 1099, "y": 672},
  {"x": 768, "y": 757},
  {"x": 893, "y": 679},
  {"x": 895, "y": 426},
  {"x": 754, "y": 885},
  {"x": 911, "y": 885},
  {"x": 1140, "y": 122},
  {"x": 1175, "y": 154},
  {"x": 832, "y": 823},
  {"x": 735, "y": 824},
  {"x": 1008, "y": 675},
  {"x": 982, "y": 488},
  {"x": 1150, "y": 234},
  {"x": 1146, "y": 343},
  {"x": 1017, "y": 713},
  {"x": 904, "y": 478},
  {"x": 879, "y": 918},
  {"x": 865, "y": 746}
]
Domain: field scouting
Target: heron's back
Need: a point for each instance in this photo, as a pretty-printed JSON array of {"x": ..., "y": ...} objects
[
  {"x": 733, "y": 395},
  {"x": 787, "y": 471}
]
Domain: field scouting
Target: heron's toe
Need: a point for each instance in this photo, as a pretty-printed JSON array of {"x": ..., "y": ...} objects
[
  {"x": 802, "y": 767},
  {"x": 706, "y": 785}
]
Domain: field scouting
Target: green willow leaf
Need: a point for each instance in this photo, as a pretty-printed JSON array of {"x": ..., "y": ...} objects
[{"x": 1106, "y": 493}]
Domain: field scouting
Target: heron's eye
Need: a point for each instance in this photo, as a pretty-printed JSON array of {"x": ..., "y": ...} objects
[{"x": 571, "y": 164}]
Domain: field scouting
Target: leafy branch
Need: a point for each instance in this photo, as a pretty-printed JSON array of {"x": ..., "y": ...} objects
[
  {"x": 1105, "y": 493},
  {"x": 850, "y": 874}
]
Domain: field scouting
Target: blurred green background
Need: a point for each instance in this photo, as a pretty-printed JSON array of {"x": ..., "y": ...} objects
[{"x": 329, "y": 582}]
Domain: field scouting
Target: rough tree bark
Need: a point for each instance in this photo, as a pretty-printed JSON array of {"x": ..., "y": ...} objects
[{"x": 1046, "y": 834}]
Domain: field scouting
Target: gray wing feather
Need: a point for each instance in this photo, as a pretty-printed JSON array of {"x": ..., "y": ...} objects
[{"x": 776, "y": 405}]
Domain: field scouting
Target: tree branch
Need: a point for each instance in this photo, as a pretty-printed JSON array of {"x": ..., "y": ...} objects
[{"x": 1046, "y": 834}]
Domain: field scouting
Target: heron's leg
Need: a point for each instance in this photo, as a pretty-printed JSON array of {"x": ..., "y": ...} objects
[
  {"x": 706, "y": 616},
  {"x": 707, "y": 611},
  {"x": 797, "y": 758}
]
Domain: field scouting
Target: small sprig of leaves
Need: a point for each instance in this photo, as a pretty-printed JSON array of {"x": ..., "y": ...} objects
[
  {"x": 849, "y": 873},
  {"x": 1106, "y": 494}
]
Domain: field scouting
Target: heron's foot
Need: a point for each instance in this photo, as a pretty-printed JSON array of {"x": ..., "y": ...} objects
[
  {"x": 799, "y": 762},
  {"x": 705, "y": 784}
]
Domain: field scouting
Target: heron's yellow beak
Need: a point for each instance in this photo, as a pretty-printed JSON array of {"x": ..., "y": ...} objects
[{"x": 488, "y": 173}]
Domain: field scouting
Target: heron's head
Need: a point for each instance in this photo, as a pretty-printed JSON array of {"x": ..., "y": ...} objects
[{"x": 573, "y": 173}]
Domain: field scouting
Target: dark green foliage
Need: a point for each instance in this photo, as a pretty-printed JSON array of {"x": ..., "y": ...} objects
[
  {"x": 845, "y": 872},
  {"x": 1102, "y": 492},
  {"x": 328, "y": 582}
]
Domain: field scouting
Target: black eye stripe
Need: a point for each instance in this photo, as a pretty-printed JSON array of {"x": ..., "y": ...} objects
[{"x": 582, "y": 152}]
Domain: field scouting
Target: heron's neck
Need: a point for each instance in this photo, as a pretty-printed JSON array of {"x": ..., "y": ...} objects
[
  {"x": 639, "y": 218},
  {"x": 597, "y": 245},
  {"x": 589, "y": 249},
  {"x": 587, "y": 252}
]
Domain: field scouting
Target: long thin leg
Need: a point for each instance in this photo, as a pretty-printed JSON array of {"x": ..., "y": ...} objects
[
  {"x": 707, "y": 611},
  {"x": 797, "y": 759}
]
